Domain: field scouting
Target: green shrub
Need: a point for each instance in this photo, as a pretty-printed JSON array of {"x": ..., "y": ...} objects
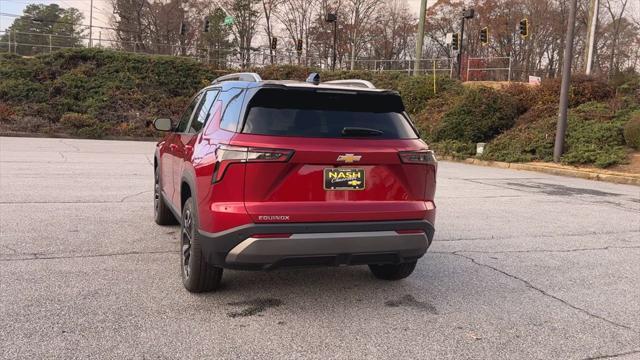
[
  {"x": 632, "y": 131},
  {"x": 594, "y": 142},
  {"x": 83, "y": 125},
  {"x": 626, "y": 82},
  {"x": 523, "y": 93},
  {"x": 6, "y": 113},
  {"x": 582, "y": 89},
  {"x": 96, "y": 131},
  {"x": 415, "y": 91},
  {"x": 527, "y": 142},
  {"x": 479, "y": 115},
  {"x": 453, "y": 148},
  {"x": 22, "y": 90},
  {"x": 75, "y": 121},
  {"x": 594, "y": 110},
  {"x": 275, "y": 72}
]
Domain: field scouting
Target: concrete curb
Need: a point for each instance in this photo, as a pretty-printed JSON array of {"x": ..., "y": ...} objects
[{"x": 562, "y": 170}]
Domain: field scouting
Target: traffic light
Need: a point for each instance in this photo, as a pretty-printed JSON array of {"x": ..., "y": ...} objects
[
  {"x": 299, "y": 45},
  {"x": 183, "y": 28},
  {"x": 274, "y": 43},
  {"x": 523, "y": 28},
  {"x": 455, "y": 41},
  {"x": 484, "y": 35},
  {"x": 468, "y": 13},
  {"x": 207, "y": 23}
]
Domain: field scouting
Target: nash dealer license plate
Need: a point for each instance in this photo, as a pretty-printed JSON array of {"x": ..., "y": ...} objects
[{"x": 343, "y": 179}]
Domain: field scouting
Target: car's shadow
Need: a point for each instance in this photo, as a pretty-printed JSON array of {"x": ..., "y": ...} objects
[{"x": 248, "y": 293}]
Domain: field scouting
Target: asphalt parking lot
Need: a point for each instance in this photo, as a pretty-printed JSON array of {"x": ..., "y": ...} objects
[{"x": 524, "y": 266}]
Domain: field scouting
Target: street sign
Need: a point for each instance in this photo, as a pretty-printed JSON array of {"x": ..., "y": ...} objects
[
  {"x": 229, "y": 20},
  {"x": 535, "y": 80}
]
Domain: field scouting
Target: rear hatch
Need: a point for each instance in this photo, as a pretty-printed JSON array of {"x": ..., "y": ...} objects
[{"x": 324, "y": 155}]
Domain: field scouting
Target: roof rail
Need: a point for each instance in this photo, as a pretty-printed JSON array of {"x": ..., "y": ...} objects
[
  {"x": 242, "y": 76},
  {"x": 352, "y": 82}
]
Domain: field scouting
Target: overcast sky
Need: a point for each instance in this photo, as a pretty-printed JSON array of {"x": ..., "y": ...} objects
[{"x": 101, "y": 9}]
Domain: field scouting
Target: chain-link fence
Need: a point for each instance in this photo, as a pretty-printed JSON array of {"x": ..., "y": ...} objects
[
  {"x": 472, "y": 68},
  {"x": 488, "y": 69}
]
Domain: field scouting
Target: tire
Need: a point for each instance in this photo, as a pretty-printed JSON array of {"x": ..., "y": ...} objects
[
  {"x": 197, "y": 275},
  {"x": 393, "y": 271},
  {"x": 161, "y": 212}
]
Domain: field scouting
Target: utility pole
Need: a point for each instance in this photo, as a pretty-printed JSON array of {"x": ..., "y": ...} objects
[
  {"x": 91, "y": 25},
  {"x": 466, "y": 14},
  {"x": 333, "y": 18},
  {"x": 591, "y": 35},
  {"x": 558, "y": 149},
  {"x": 459, "y": 70},
  {"x": 420, "y": 38},
  {"x": 355, "y": 38}
]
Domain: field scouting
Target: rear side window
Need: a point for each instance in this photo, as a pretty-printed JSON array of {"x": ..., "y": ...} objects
[
  {"x": 186, "y": 115},
  {"x": 232, "y": 102},
  {"x": 202, "y": 112},
  {"x": 327, "y": 114}
]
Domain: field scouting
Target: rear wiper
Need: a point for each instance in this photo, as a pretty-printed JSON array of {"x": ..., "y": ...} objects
[{"x": 359, "y": 131}]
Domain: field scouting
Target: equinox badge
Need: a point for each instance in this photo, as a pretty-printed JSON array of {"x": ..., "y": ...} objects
[{"x": 349, "y": 158}]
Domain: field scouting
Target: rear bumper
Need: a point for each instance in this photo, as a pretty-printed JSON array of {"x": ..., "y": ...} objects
[{"x": 344, "y": 243}]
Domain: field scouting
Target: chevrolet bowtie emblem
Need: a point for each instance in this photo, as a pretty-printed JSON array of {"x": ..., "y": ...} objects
[{"x": 349, "y": 158}]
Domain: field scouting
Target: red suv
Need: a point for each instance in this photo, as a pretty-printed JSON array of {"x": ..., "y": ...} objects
[{"x": 265, "y": 174}]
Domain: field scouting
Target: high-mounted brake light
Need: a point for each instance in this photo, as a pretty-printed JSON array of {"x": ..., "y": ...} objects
[
  {"x": 229, "y": 154},
  {"x": 426, "y": 157}
]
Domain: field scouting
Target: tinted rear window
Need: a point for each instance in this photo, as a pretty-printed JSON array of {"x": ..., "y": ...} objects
[{"x": 304, "y": 113}]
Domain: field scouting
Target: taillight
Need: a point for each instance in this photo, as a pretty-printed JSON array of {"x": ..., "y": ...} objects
[
  {"x": 228, "y": 154},
  {"x": 426, "y": 157}
]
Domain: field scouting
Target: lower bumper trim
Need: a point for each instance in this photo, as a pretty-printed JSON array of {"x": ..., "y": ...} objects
[
  {"x": 317, "y": 244},
  {"x": 271, "y": 250}
]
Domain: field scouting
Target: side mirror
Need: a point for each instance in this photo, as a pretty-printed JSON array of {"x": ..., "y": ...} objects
[{"x": 162, "y": 124}]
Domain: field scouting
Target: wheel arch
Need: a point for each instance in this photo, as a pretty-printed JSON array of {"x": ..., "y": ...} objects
[{"x": 187, "y": 189}]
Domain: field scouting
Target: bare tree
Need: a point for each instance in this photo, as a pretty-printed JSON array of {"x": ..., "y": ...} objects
[
  {"x": 246, "y": 17},
  {"x": 296, "y": 17},
  {"x": 616, "y": 9},
  {"x": 379, "y": 30},
  {"x": 361, "y": 15},
  {"x": 268, "y": 7},
  {"x": 394, "y": 27}
]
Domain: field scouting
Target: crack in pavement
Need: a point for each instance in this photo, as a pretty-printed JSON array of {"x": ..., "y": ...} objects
[
  {"x": 540, "y": 236},
  {"x": 545, "y": 293},
  {"x": 134, "y": 195},
  {"x": 70, "y": 145},
  {"x": 577, "y": 199},
  {"x": 148, "y": 160},
  {"x": 37, "y": 256},
  {"x": 612, "y": 355},
  {"x": 62, "y": 156},
  {"x": 538, "y": 250}
]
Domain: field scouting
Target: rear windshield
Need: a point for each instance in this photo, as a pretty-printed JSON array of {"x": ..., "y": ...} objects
[{"x": 327, "y": 114}]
